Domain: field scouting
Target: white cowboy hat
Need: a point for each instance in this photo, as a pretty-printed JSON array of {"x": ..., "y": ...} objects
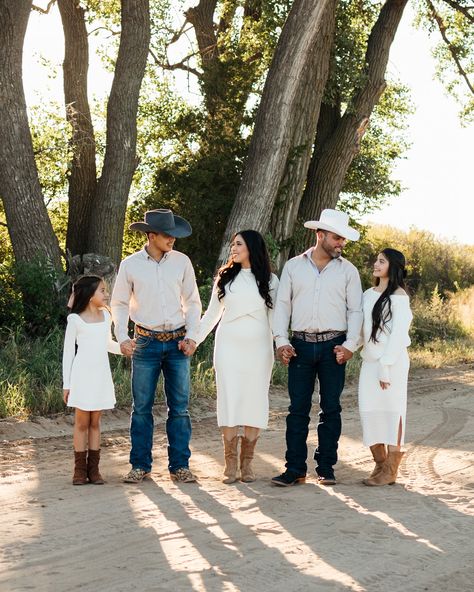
[{"x": 334, "y": 221}]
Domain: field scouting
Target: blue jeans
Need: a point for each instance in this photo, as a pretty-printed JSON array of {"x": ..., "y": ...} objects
[
  {"x": 314, "y": 360},
  {"x": 152, "y": 357}
]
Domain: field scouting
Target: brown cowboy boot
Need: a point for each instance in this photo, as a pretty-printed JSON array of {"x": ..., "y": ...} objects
[
  {"x": 230, "y": 457},
  {"x": 379, "y": 452},
  {"x": 246, "y": 456},
  {"x": 93, "y": 473},
  {"x": 80, "y": 468},
  {"x": 388, "y": 474}
]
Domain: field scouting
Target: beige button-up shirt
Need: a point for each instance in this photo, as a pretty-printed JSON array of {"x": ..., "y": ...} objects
[
  {"x": 162, "y": 296},
  {"x": 314, "y": 301}
]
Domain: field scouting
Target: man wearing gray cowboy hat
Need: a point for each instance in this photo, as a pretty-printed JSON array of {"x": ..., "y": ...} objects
[
  {"x": 156, "y": 288},
  {"x": 320, "y": 297}
]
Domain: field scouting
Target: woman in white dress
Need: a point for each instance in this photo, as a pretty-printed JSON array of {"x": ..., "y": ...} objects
[
  {"x": 87, "y": 380},
  {"x": 242, "y": 300},
  {"x": 385, "y": 363}
]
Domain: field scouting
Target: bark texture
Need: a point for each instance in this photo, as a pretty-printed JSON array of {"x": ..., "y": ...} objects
[
  {"x": 277, "y": 119},
  {"x": 29, "y": 227},
  {"x": 333, "y": 156},
  {"x": 82, "y": 179},
  {"x": 120, "y": 162}
]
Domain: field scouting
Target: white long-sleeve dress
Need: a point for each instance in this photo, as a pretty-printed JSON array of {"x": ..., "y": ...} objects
[
  {"x": 243, "y": 350},
  {"x": 86, "y": 372},
  {"x": 381, "y": 411}
]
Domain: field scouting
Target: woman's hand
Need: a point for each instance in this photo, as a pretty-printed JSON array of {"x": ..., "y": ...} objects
[
  {"x": 65, "y": 395},
  {"x": 384, "y": 385}
]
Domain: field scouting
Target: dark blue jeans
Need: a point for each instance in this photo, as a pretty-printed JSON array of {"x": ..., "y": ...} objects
[
  {"x": 314, "y": 360},
  {"x": 152, "y": 357}
]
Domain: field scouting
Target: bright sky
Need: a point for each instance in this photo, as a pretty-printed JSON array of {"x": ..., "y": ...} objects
[{"x": 437, "y": 174}]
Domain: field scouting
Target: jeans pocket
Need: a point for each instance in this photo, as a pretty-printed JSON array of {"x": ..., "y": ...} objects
[{"x": 142, "y": 341}]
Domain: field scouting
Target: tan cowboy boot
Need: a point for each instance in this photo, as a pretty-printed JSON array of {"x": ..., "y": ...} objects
[
  {"x": 246, "y": 456},
  {"x": 230, "y": 457},
  {"x": 80, "y": 468},
  {"x": 379, "y": 452},
  {"x": 388, "y": 474},
  {"x": 93, "y": 473}
]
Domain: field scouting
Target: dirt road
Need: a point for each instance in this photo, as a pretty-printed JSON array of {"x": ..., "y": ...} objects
[{"x": 415, "y": 536}]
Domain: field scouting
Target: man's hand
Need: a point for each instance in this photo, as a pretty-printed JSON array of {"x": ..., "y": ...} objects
[
  {"x": 285, "y": 353},
  {"x": 127, "y": 347},
  {"x": 187, "y": 346},
  {"x": 342, "y": 354},
  {"x": 65, "y": 395}
]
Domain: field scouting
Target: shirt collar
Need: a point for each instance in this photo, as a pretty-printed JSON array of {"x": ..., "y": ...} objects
[{"x": 145, "y": 254}]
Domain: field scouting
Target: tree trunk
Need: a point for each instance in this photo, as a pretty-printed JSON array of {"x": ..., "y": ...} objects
[
  {"x": 331, "y": 160},
  {"x": 82, "y": 179},
  {"x": 312, "y": 83},
  {"x": 29, "y": 227},
  {"x": 276, "y": 119},
  {"x": 120, "y": 162}
]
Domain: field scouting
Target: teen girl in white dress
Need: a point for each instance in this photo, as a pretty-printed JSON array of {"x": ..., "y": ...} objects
[{"x": 385, "y": 363}]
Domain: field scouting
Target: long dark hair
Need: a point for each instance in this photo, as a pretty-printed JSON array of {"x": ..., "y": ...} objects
[
  {"x": 82, "y": 292},
  {"x": 259, "y": 263},
  {"x": 382, "y": 311}
]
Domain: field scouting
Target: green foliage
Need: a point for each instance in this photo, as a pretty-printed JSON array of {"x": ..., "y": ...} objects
[{"x": 431, "y": 262}]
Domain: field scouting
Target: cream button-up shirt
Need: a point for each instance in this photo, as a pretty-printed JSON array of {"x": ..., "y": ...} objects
[
  {"x": 315, "y": 301},
  {"x": 161, "y": 296}
]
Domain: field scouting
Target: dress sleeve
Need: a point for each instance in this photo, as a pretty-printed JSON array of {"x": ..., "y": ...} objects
[
  {"x": 112, "y": 346},
  {"x": 398, "y": 338},
  {"x": 69, "y": 350},
  {"x": 212, "y": 315},
  {"x": 273, "y": 294}
]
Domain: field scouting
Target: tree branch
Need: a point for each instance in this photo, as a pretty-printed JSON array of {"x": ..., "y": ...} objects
[
  {"x": 179, "y": 66},
  {"x": 43, "y": 10},
  {"x": 452, "y": 49},
  {"x": 462, "y": 9}
]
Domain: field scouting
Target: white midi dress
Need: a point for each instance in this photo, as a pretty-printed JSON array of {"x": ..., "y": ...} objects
[
  {"x": 243, "y": 351},
  {"x": 86, "y": 369},
  {"x": 381, "y": 411}
]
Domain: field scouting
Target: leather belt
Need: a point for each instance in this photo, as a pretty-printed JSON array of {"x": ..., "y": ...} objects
[
  {"x": 160, "y": 335},
  {"x": 317, "y": 337}
]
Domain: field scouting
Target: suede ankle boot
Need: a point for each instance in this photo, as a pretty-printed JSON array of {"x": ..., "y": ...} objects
[
  {"x": 80, "y": 468},
  {"x": 230, "y": 457},
  {"x": 388, "y": 474},
  {"x": 379, "y": 453},
  {"x": 246, "y": 456},
  {"x": 93, "y": 473}
]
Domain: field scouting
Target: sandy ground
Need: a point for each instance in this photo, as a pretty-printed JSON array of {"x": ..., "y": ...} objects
[{"x": 414, "y": 536}]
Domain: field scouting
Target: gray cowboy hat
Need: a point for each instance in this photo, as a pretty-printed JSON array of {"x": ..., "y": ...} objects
[{"x": 163, "y": 221}]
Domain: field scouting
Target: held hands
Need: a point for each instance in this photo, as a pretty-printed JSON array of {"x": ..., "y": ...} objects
[
  {"x": 65, "y": 395},
  {"x": 342, "y": 354},
  {"x": 127, "y": 347},
  {"x": 187, "y": 346},
  {"x": 285, "y": 353}
]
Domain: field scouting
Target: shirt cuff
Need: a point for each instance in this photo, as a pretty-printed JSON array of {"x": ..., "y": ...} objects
[
  {"x": 281, "y": 341},
  {"x": 350, "y": 345}
]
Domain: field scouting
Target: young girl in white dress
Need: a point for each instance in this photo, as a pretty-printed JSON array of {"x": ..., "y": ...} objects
[
  {"x": 87, "y": 380},
  {"x": 242, "y": 300},
  {"x": 385, "y": 363}
]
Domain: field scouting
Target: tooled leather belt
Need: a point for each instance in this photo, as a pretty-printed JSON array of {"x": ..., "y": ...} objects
[
  {"x": 160, "y": 335},
  {"x": 317, "y": 337}
]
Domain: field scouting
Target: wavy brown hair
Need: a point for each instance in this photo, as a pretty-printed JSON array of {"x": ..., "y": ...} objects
[{"x": 259, "y": 263}]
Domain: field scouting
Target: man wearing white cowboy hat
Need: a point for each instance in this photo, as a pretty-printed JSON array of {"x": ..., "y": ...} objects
[
  {"x": 156, "y": 288},
  {"x": 320, "y": 297}
]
